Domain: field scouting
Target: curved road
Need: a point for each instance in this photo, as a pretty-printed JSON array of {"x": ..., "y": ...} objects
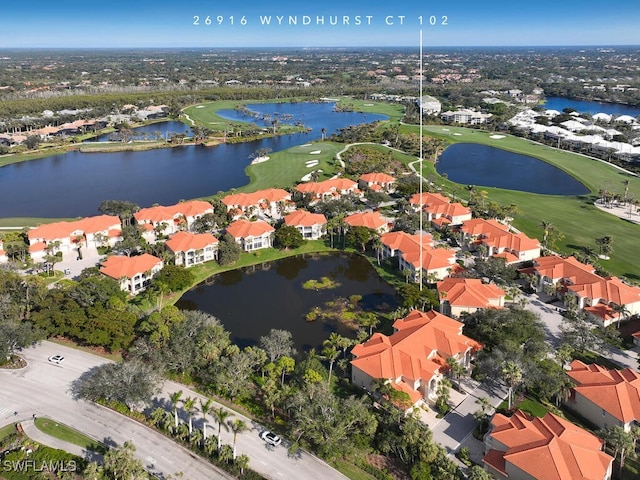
[{"x": 42, "y": 388}]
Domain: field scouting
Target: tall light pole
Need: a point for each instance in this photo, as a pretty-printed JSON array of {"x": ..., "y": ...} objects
[{"x": 421, "y": 159}]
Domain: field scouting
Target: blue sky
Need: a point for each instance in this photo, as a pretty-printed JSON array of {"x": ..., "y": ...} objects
[{"x": 164, "y": 23}]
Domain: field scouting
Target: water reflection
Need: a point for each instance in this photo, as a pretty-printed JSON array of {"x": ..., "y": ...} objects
[{"x": 251, "y": 301}]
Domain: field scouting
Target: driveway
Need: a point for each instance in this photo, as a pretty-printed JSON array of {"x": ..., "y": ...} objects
[
  {"x": 550, "y": 314},
  {"x": 455, "y": 429}
]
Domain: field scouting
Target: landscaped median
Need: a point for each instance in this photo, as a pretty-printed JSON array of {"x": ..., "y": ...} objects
[{"x": 67, "y": 434}]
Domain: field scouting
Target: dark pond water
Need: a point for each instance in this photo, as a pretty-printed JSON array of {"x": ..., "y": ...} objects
[
  {"x": 153, "y": 131},
  {"x": 474, "y": 164},
  {"x": 74, "y": 184},
  {"x": 584, "y": 106},
  {"x": 251, "y": 302}
]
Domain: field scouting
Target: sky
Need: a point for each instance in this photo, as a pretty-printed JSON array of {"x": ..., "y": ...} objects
[{"x": 328, "y": 23}]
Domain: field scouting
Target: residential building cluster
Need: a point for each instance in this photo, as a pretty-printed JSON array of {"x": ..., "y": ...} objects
[
  {"x": 579, "y": 285},
  {"x": 595, "y": 136},
  {"x": 81, "y": 126}
]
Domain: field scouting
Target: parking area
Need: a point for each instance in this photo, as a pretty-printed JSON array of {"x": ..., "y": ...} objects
[{"x": 71, "y": 265}]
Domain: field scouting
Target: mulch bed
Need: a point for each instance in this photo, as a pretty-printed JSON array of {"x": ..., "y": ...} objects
[
  {"x": 392, "y": 467},
  {"x": 15, "y": 363}
]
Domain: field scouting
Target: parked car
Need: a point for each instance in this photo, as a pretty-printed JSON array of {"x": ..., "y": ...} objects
[
  {"x": 271, "y": 438},
  {"x": 57, "y": 359}
]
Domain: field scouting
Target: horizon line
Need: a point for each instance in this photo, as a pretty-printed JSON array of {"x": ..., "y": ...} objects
[{"x": 200, "y": 47}]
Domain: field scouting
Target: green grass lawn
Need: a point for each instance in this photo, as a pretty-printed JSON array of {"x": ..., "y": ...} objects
[
  {"x": 393, "y": 110},
  {"x": 287, "y": 167},
  {"x": 7, "y": 430},
  {"x": 68, "y": 434},
  {"x": 18, "y": 223},
  {"x": 351, "y": 471}
]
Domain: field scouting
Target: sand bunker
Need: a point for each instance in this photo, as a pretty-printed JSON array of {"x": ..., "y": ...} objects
[
  {"x": 496, "y": 137},
  {"x": 315, "y": 152},
  {"x": 259, "y": 160}
]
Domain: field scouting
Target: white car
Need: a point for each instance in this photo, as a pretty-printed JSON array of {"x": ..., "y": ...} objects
[
  {"x": 57, "y": 359},
  {"x": 271, "y": 438}
]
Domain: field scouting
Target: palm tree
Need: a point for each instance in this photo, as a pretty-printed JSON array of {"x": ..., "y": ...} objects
[
  {"x": 512, "y": 375},
  {"x": 221, "y": 415},
  {"x": 174, "y": 398},
  {"x": 331, "y": 353},
  {"x": 622, "y": 312},
  {"x": 376, "y": 244},
  {"x": 237, "y": 426},
  {"x": 588, "y": 254},
  {"x": 242, "y": 462},
  {"x": 189, "y": 405},
  {"x": 456, "y": 368},
  {"x": 626, "y": 190},
  {"x": 210, "y": 445},
  {"x": 314, "y": 176},
  {"x": 205, "y": 408},
  {"x": 546, "y": 228}
]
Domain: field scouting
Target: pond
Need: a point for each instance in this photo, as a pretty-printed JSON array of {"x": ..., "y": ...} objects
[
  {"x": 74, "y": 184},
  {"x": 591, "y": 107},
  {"x": 253, "y": 300},
  {"x": 475, "y": 164}
]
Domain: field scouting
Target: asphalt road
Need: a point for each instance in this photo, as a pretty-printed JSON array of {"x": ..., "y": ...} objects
[{"x": 42, "y": 388}]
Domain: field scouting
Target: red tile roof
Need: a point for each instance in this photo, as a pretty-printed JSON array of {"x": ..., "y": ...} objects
[
  {"x": 432, "y": 258},
  {"x": 268, "y": 195},
  {"x": 582, "y": 280},
  {"x": 371, "y": 220},
  {"x": 468, "y": 292},
  {"x": 409, "y": 246},
  {"x": 417, "y": 350},
  {"x": 328, "y": 186},
  {"x": 495, "y": 234},
  {"x": 404, "y": 242},
  {"x": 162, "y": 213},
  {"x": 302, "y": 218},
  {"x": 185, "y": 241},
  {"x": 88, "y": 225},
  {"x": 377, "y": 178},
  {"x": 615, "y": 391},
  {"x": 117, "y": 266},
  {"x": 428, "y": 198},
  {"x": 548, "y": 448},
  {"x": 245, "y": 228}
]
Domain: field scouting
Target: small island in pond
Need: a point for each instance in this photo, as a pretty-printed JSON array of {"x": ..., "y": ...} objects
[{"x": 325, "y": 283}]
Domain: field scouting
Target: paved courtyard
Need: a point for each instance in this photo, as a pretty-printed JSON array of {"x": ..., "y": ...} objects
[{"x": 73, "y": 265}]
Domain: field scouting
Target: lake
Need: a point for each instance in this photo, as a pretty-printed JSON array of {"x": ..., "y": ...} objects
[
  {"x": 253, "y": 300},
  {"x": 74, "y": 184},
  {"x": 475, "y": 164},
  {"x": 586, "y": 106}
]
